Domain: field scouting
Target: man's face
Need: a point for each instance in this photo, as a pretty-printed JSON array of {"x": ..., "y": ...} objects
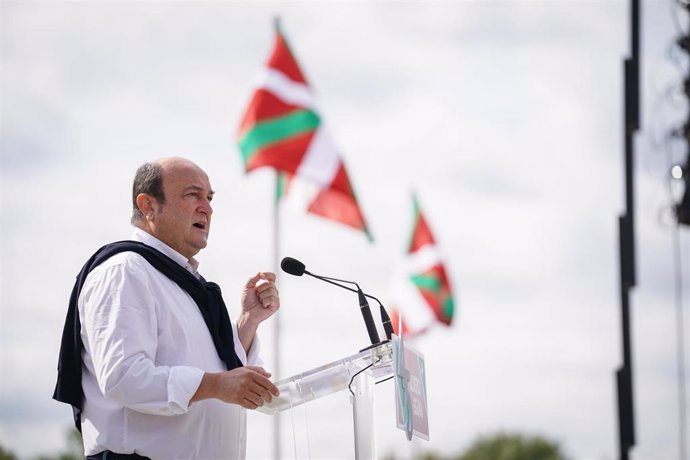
[{"x": 184, "y": 220}]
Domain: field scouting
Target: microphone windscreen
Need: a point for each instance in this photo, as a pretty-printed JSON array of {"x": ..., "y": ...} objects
[{"x": 292, "y": 266}]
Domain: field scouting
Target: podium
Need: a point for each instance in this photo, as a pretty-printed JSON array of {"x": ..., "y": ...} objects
[{"x": 357, "y": 373}]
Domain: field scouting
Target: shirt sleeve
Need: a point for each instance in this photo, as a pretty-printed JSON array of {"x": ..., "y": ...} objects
[
  {"x": 250, "y": 358},
  {"x": 119, "y": 331}
]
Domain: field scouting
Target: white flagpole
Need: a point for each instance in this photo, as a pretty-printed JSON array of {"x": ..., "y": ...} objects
[
  {"x": 276, "y": 261},
  {"x": 276, "y": 318}
]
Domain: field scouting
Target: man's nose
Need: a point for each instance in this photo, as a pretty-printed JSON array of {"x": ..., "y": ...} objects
[{"x": 206, "y": 207}]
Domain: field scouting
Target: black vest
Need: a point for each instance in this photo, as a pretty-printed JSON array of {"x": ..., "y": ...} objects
[{"x": 207, "y": 296}]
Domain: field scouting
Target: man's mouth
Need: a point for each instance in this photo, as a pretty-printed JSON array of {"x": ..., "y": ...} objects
[{"x": 201, "y": 225}]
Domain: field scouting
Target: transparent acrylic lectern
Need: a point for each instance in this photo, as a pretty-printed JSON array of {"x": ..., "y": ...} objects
[{"x": 358, "y": 372}]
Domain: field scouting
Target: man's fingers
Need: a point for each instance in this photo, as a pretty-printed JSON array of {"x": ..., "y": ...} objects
[
  {"x": 247, "y": 386},
  {"x": 259, "y": 370},
  {"x": 266, "y": 386},
  {"x": 261, "y": 378},
  {"x": 255, "y": 398},
  {"x": 253, "y": 280},
  {"x": 263, "y": 279},
  {"x": 255, "y": 394},
  {"x": 268, "y": 295},
  {"x": 247, "y": 404},
  {"x": 262, "y": 393},
  {"x": 270, "y": 301},
  {"x": 268, "y": 276},
  {"x": 266, "y": 288}
]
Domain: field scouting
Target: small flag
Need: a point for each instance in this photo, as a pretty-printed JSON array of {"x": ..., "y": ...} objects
[
  {"x": 282, "y": 129},
  {"x": 421, "y": 290}
]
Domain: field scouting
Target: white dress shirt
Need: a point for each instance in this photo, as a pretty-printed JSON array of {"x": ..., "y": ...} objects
[{"x": 146, "y": 348}]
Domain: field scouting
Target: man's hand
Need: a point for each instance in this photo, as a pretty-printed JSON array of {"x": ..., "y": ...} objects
[
  {"x": 259, "y": 300},
  {"x": 260, "y": 297},
  {"x": 247, "y": 386}
]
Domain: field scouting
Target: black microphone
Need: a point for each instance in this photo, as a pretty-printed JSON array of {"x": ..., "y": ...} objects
[
  {"x": 297, "y": 268},
  {"x": 292, "y": 266},
  {"x": 386, "y": 320},
  {"x": 368, "y": 319}
]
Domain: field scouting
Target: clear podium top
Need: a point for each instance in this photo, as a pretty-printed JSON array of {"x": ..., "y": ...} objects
[{"x": 330, "y": 378}]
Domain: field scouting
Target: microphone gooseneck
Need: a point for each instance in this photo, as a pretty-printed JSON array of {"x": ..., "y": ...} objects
[{"x": 294, "y": 267}]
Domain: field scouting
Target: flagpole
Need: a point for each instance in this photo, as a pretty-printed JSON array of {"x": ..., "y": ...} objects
[
  {"x": 276, "y": 264},
  {"x": 276, "y": 318}
]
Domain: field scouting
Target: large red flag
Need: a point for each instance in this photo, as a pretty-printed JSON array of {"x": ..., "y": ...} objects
[{"x": 282, "y": 129}]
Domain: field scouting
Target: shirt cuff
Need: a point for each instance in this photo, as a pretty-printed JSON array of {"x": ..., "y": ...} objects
[
  {"x": 182, "y": 384},
  {"x": 252, "y": 357}
]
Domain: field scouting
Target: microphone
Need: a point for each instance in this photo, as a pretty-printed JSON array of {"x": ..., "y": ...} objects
[
  {"x": 297, "y": 268},
  {"x": 368, "y": 319},
  {"x": 292, "y": 266},
  {"x": 386, "y": 320}
]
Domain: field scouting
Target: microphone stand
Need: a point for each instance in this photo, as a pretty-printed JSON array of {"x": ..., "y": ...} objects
[{"x": 368, "y": 320}]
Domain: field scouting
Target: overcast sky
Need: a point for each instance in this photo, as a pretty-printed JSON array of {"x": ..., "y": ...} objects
[{"x": 504, "y": 117}]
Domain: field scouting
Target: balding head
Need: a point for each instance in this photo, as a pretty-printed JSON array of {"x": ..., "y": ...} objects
[
  {"x": 176, "y": 165},
  {"x": 172, "y": 201},
  {"x": 149, "y": 179}
]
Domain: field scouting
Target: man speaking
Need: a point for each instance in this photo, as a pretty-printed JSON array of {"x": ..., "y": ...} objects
[{"x": 150, "y": 361}]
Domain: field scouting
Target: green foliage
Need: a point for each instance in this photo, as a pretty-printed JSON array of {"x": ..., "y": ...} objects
[
  {"x": 502, "y": 446},
  {"x": 75, "y": 449},
  {"x": 6, "y": 455},
  {"x": 430, "y": 456},
  {"x": 511, "y": 446}
]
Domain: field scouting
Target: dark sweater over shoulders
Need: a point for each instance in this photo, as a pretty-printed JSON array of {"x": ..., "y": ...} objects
[{"x": 206, "y": 295}]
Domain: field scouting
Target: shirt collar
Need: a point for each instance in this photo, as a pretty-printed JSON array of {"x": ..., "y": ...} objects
[{"x": 144, "y": 237}]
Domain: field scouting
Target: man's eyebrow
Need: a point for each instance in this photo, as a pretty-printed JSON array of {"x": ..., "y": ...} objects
[{"x": 199, "y": 188}]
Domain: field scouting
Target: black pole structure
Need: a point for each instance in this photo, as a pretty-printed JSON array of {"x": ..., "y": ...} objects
[
  {"x": 624, "y": 374},
  {"x": 682, "y": 212}
]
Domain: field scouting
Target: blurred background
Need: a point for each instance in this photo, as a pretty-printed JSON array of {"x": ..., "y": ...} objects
[{"x": 504, "y": 117}]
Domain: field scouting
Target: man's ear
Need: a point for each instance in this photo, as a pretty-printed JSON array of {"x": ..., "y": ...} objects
[{"x": 145, "y": 203}]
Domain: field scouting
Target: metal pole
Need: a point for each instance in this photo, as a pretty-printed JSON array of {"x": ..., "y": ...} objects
[
  {"x": 276, "y": 264},
  {"x": 624, "y": 375},
  {"x": 276, "y": 318},
  {"x": 680, "y": 345},
  {"x": 363, "y": 416}
]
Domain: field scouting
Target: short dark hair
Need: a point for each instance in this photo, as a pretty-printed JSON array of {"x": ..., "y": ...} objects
[{"x": 148, "y": 179}]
